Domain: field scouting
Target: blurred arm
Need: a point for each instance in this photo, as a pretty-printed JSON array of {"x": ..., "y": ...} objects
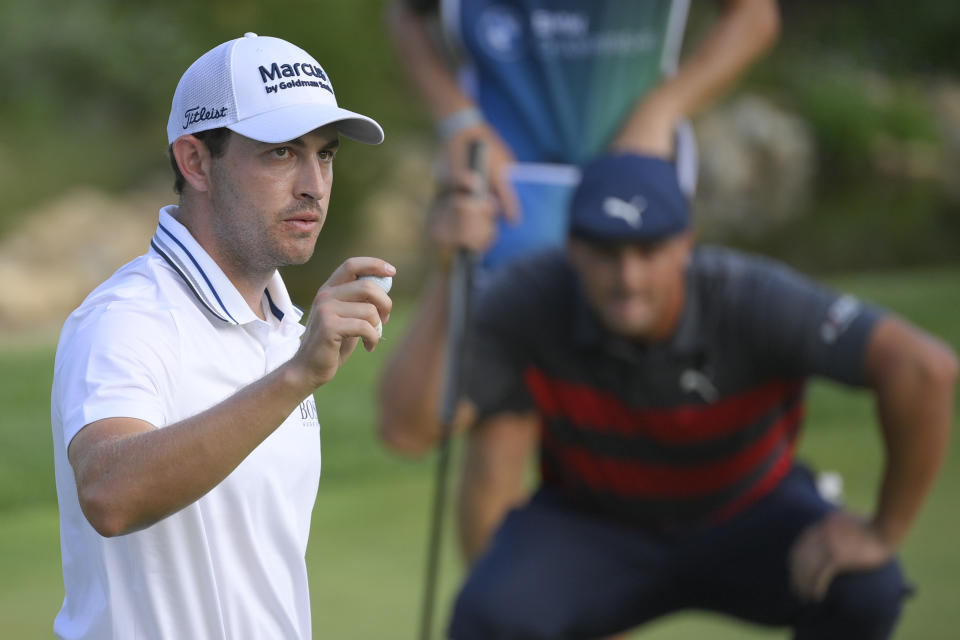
[
  {"x": 422, "y": 62},
  {"x": 494, "y": 478},
  {"x": 913, "y": 376},
  {"x": 436, "y": 85},
  {"x": 745, "y": 30},
  {"x": 411, "y": 382},
  {"x": 130, "y": 474}
]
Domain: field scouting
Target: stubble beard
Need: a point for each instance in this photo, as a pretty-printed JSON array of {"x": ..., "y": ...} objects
[{"x": 249, "y": 239}]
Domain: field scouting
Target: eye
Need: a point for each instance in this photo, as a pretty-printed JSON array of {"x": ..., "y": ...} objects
[
  {"x": 326, "y": 155},
  {"x": 281, "y": 152},
  {"x": 604, "y": 251}
]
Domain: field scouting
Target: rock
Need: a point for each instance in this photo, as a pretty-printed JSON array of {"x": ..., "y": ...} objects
[
  {"x": 66, "y": 247},
  {"x": 757, "y": 166}
]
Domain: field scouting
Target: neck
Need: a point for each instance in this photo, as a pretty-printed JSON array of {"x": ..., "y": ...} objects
[
  {"x": 248, "y": 281},
  {"x": 250, "y": 287}
]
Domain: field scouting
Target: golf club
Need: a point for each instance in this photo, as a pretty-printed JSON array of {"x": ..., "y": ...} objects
[{"x": 458, "y": 315}]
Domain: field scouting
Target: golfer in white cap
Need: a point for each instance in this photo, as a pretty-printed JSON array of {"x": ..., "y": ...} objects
[{"x": 186, "y": 437}]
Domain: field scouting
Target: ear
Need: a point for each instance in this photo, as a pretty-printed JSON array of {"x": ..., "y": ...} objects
[{"x": 193, "y": 158}]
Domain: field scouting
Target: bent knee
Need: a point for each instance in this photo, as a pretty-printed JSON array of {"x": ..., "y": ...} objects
[
  {"x": 870, "y": 594},
  {"x": 491, "y": 613},
  {"x": 862, "y": 604}
]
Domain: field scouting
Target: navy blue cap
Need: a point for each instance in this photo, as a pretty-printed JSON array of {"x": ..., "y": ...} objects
[{"x": 626, "y": 197}]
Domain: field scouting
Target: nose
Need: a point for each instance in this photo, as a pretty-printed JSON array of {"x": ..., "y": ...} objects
[
  {"x": 314, "y": 180},
  {"x": 633, "y": 268}
]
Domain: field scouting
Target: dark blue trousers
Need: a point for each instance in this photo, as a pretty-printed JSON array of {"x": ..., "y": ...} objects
[{"x": 555, "y": 572}]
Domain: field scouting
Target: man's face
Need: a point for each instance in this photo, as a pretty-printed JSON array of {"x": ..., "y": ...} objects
[
  {"x": 269, "y": 201},
  {"x": 636, "y": 289}
]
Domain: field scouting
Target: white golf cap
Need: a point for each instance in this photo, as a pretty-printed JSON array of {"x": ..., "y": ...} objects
[{"x": 263, "y": 88}]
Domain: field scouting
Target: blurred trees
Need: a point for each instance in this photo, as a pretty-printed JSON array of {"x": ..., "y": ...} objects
[
  {"x": 878, "y": 86},
  {"x": 87, "y": 88},
  {"x": 87, "y": 85}
]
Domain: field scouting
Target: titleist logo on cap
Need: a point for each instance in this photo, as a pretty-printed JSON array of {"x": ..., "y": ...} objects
[
  {"x": 277, "y": 71},
  {"x": 199, "y": 114}
]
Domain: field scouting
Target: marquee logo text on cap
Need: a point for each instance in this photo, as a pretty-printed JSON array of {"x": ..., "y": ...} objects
[
  {"x": 199, "y": 114},
  {"x": 277, "y": 71}
]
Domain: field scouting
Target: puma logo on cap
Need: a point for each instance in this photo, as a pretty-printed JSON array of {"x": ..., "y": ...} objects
[{"x": 630, "y": 212}]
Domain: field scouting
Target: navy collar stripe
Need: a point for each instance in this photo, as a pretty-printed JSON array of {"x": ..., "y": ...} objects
[
  {"x": 200, "y": 270},
  {"x": 182, "y": 269},
  {"x": 273, "y": 308},
  {"x": 190, "y": 285},
  {"x": 173, "y": 259}
]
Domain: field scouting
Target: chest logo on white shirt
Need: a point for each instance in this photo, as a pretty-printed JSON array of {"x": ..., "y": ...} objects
[
  {"x": 693, "y": 381},
  {"x": 630, "y": 212},
  {"x": 308, "y": 412}
]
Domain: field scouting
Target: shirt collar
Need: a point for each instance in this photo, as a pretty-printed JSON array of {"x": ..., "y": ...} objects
[{"x": 174, "y": 243}]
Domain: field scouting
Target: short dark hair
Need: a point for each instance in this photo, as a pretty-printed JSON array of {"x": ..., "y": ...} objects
[{"x": 216, "y": 142}]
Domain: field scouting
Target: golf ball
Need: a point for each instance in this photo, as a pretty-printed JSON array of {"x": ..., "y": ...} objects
[{"x": 384, "y": 282}]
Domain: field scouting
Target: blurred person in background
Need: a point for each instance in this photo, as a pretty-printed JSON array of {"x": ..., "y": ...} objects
[
  {"x": 547, "y": 85},
  {"x": 667, "y": 382}
]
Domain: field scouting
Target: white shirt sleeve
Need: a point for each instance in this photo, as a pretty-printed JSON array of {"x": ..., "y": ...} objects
[{"x": 118, "y": 361}]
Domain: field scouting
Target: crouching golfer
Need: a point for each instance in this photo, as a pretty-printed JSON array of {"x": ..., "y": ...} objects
[
  {"x": 668, "y": 385},
  {"x": 186, "y": 440}
]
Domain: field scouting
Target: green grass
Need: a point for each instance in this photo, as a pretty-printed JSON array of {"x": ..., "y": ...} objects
[
  {"x": 26, "y": 458},
  {"x": 368, "y": 543}
]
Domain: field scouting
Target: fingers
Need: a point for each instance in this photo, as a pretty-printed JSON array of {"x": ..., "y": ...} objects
[
  {"x": 345, "y": 311},
  {"x": 464, "y": 214},
  {"x": 503, "y": 191},
  {"x": 362, "y": 329},
  {"x": 352, "y": 268},
  {"x": 336, "y": 323},
  {"x": 358, "y": 280},
  {"x": 464, "y": 182},
  {"x": 808, "y": 559},
  {"x": 361, "y": 298},
  {"x": 498, "y": 161},
  {"x": 368, "y": 291},
  {"x": 839, "y": 542},
  {"x": 463, "y": 221},
  {"x": 812, "y": 567},
  {"x": 821, "y": 581}
]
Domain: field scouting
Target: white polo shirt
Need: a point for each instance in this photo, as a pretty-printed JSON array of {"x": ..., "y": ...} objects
[{"x": 166, "y": 337}]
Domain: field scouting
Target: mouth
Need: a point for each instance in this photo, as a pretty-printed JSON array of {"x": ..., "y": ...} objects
[
  {"x": 630, "y": 304},
  {"x": 303, "y": 222},
  {"x": 623, "y": 296}
]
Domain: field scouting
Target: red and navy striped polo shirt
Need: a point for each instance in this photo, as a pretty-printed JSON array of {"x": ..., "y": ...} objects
[{"x": 687, "y": 431}]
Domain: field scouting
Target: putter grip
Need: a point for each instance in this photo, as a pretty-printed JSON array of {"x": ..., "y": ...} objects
[
  {"x": 477, "y": 160},
  {"x": 458, "y": 309}
]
